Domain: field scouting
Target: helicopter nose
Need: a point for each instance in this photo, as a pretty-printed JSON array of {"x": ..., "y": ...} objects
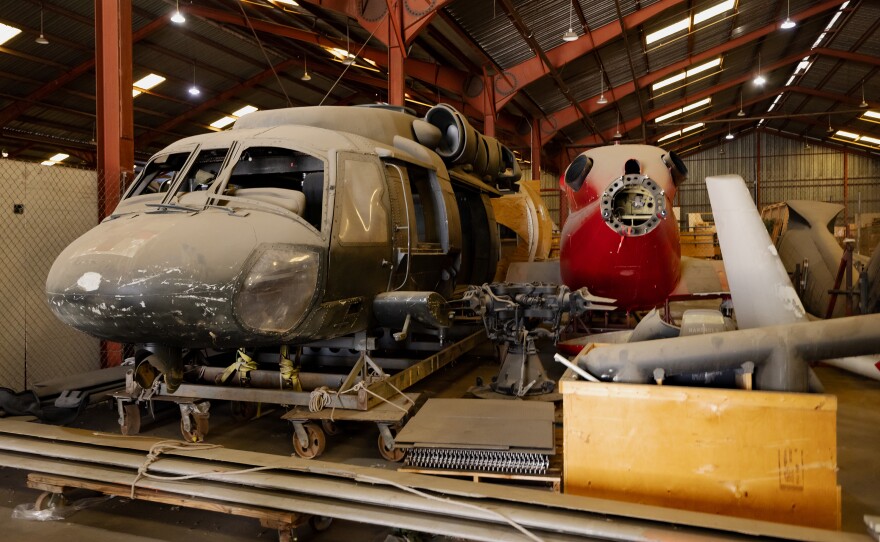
[{"x": 166, "y": 273}]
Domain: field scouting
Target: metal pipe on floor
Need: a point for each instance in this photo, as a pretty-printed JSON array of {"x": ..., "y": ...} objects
[
  {"x": 381, "y": 496},
  {"x": 781, "y": 353}
]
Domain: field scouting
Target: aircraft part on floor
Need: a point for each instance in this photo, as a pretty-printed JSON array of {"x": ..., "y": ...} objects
[
  {"x": 475, "y": 435},
  {"x": 474, "y": 511},
  {"x": 759, "y": 284},
  {"x": 513, "y": 315},
  {"x": 780, "y": 353},
  {"x": 477, "y": 460}
]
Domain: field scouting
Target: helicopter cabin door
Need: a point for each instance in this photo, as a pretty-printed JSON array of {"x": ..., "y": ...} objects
[
  {"x": 419, "y": 230},
  {"x": 360, "y": 247}
]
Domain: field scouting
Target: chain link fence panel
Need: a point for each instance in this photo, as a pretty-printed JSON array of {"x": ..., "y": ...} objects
[{"x": 42, "y": 209}]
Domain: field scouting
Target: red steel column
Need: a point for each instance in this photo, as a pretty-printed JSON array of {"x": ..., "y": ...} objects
[
  {"x": 536, "y": 148},
  {"x": 396, "y": 56},
  {"x": 115, "y": 122}
]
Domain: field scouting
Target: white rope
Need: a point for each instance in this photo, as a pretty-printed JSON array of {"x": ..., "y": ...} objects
[
  {"x": 319, "y": 398},
  {"x": 510, "y": 521}
]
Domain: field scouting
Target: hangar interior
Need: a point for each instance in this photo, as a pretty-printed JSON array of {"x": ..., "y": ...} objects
[{"x": 650, "y": 105}]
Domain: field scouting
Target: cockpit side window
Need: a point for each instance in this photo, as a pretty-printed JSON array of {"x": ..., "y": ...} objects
[
  {"x": 284, "y": 177},
  {"x": 158, "y": 175},
  {"x": 203, "y": 171}
]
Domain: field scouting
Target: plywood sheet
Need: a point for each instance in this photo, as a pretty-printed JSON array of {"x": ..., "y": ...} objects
[
  {"x": 481, "y": 423},
  {"x": 761, "y": 455}
]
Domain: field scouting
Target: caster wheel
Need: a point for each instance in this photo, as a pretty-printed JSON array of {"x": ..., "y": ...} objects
[
  {"x": 390, "y": 454},
  {"x": 316, "y": 445},
  {"x": 243, "y": 411},
  {"x": 48, "y": 500},
  {"x": 330, "y": 428},
  {"x": 131, "y": 420},
  {"x": 198, "y": 429},
  {"x": 320, "y": 523}
]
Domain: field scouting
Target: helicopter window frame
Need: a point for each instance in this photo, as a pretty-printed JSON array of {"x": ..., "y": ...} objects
[
  {"x": 364, "y": 196},
  {"x": 189, "y": 173},
  {"x": 225, "y": 182},
  {"x": 140, "y": 182}
]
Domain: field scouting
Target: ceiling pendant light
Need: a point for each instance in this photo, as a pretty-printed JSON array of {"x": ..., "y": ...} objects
[
  {"x": 759, "y": 79},
  {"x": 602, "y": 99},
  {"x": 305, "y": 75},
  {"x": 178, "y": 17},
  {"x": 741, "y": 113},
  {"x": 43, "y": 41},
  {"x": 787, "y": 24},
  {"x": 721, "y": 152},
  {"x": 617, "y": 135},
  {"x": 864, "y": 103},
  {"x": 194, "y": 90},
  {"x": 570, "y": 34},
  {"x": 729, "y": 135},
  {"x": 830, "y": 130}
]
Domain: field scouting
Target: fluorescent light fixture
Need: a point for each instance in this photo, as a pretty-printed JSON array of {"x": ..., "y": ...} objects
[
  {"x": 59, "y": 157},
  {"x": 668, "y": 81},
  {"x": 871, "y": 140},
  {"x": 695, "y": 105},
  {"x": 669, "y": 136},
  {"x": 849, "y": 135},
  {"x": 668, "y": 31},
  {"x": 871, "y": 116},
  {"x": 803, "y": 66},
  {"x": 692, "y": 127},
  {"x": 146, "y": 83},
  {"x": 47, "y": 163},
  {"x": 703, "y": 67},
  {"x": 223, "y": 122},
  {"x": 714, "y": 11},
  {"x": 685, "y": 109},
  {"x": 8, "y": 32},
  {"x": 689, "y": 73},
  {"x": 668, "y": 116},
  {"x": 246, "y": 110},
  {"x": 286, "y": 2}
]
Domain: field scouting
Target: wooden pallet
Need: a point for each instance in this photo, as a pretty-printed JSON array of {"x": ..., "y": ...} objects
[
  {"x": 282, "y": 521},
  {"x": 553, "y": 478}
]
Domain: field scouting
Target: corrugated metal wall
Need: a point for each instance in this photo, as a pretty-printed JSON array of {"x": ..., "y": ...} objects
[
  {"x": 549, "y": 191},
  {"x": 788, "y": 171}
]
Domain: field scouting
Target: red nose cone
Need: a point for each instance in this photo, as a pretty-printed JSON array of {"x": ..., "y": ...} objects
[
  {"x": 639, "y": 272},
  {"x": 621, "y": 240}
]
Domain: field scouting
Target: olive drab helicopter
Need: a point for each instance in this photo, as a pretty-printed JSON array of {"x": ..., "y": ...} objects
[{"x": 297, "y": 225}]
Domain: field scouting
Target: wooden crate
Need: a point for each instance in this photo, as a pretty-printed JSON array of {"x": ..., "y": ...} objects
[
  {"x": 760, "y": 455},
  {"x": 697, "y": 244}
]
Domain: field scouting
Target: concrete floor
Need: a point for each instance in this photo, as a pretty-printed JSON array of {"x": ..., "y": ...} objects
[{"x": 122, "y": 520}]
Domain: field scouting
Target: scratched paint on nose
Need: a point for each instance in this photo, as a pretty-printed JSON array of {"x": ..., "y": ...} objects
[{"x": 89, "y": 281}]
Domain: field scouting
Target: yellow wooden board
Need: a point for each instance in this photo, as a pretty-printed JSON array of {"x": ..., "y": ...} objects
[{"x": 761, "y": 455}]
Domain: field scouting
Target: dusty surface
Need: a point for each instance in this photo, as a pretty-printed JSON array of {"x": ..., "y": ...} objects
[{"x": 122, "y": 520}]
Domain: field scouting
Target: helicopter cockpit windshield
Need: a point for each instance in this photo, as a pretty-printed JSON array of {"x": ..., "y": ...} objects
[{"x": 158, "y": 175}]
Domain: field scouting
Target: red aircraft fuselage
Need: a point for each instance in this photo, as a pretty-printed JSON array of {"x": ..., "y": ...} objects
[{"x": 621, "y": 238}]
